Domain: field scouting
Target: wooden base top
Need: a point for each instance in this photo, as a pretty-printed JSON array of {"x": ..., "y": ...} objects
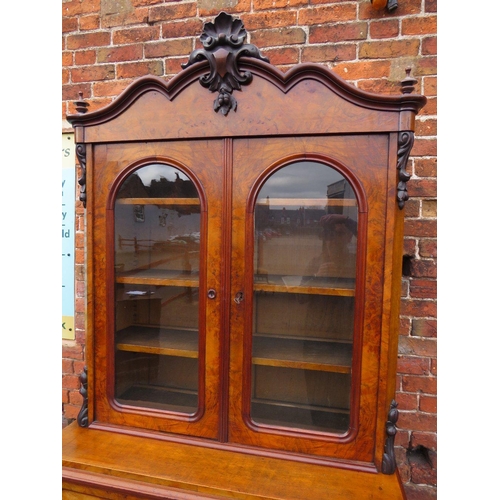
[{"x": 104, "y": 464}]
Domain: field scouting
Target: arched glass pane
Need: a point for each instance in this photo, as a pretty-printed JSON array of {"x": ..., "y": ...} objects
[
  {"x": 304, "y": 288},
  {"x": 157, "y": 259}
]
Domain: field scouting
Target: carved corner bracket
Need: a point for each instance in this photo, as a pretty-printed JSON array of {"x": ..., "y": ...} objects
[
  {"x": 81, "y": 154},
  {"x": 389, "y": 458},
  {"x": 223, "y": 45},
  {"x": 405, "y": 143},
  {"x": 83, "y": 417}
]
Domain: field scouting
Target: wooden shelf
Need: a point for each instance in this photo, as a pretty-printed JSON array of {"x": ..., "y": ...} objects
[
  {"x": 161, "y": 398},
  {"x": 342, "y": 287},
  {"x": 307, "y": 202},
  {"x": 158, "y": 201},
  {"x": 157, "y": 277},
  {"x": 306, "y": 417},
  {"x": 156, "y": 340},
  {"x": 302, "y": 354}
]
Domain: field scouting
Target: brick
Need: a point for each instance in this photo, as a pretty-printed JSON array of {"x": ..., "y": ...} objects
[
  {"x": 405, "y": 288},
  {"x": 86, "y": 40},
  {"x": 67, "y": 58},
  {"x": 426, "y": 127},
  {"x": 424, "y": 327},
  {"x": 412, "y": 208},
  {"x": 90, "y": 22},
  {"x": 381, "y": 86},
  {"x": 419, "y": 492},
  {"x": 421, "y": 228},
  {"x": 136, "y": 35},
  {"x": 119, "y": 54},
  {"x": 282, "y": 55},
  {"x": 137, "y": 16},
  {"x": 423, "y": 268},
  {"x": 428, "y": 248},
  {"x": 263, "y": 20},
  {"x": 278, "y": 4},
  {"x": 71, "y": 92},
  {"x": 425, "y": 167},
  {"x": 423, "y": 288},
  {"x": 329, "y": 53},
  {"x": 281, "y": 36},
  {"x": 427, "y": 439},
  {"x": 338, "y": 32},
  {"x": 71, "y": 381},
  {"x": 430, "y": 107},
  {"x": 428, "y": 404},
  {"x": 429, "y": 46},
  {"x": 406, "y": 402},
  {"x": 71, "y": 411},
  {"x": 419, "y": 25},
  {"x": 75, "y": 398},
  {"x": 387, "y": 28},
  {"x": 430, "y": 86},
  {"x": 404, "y": 326},
  {"x": 168, "y": 48},
  {"x": 136, "y": 69},
  {"x": 67, "y": 366},
  {"x": 329, "y": 14},
  {"x": 422, "y": 188},
  {"x": 110, "y": 88},
  {"x": 69, "y": 24},
  {"x": 85, "y": 57},
  {"x": 417, "y": 346},
  {"x": 77, "y": 7},
  {"x": 72, "y": 351},
  {"x": 388, "y": 49},
  {"x": 421, "y": 470},
  {"x": 173, "y": 11},
  {"x": 363, "y": 69},
  {"x": 212, "y": 8},
  {"x": 417, "y": 421},
  {"x": 93, "y": 73},
  {"x": 409, "y": 246},
  {"x": 426, "y": 66},
  {"x": 414, "y": 365},
  {"x": 429, "y": 208},
  {"x": 65, "y": 396},
  {"x": 430, "y": 5},
  {"x": 173, "y": 65},
  {"x": 402, "y": 439},
  {"x": 434, "y": 367},
  {"x": 184, "y": 28},
  {"x": 425, "y": 385},
  {"x": 418, "y": 308}
]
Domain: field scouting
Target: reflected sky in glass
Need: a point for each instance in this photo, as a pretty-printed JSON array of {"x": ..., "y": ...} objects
[{"x": 304, "y": 179}]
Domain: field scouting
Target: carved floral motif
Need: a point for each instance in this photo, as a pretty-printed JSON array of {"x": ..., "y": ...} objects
[{"x": 223, "y": 45}]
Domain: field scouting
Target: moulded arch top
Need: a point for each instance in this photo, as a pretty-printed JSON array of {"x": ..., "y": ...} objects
[{"x": 307, "y": 99}]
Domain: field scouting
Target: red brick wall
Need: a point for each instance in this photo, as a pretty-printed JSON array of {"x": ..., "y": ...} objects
[{"x": 109, "y": 43}]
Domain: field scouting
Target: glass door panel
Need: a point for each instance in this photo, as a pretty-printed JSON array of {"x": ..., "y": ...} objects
[
  {"x": 157, "y": 263},
  {"x": 304, "y": 289}
]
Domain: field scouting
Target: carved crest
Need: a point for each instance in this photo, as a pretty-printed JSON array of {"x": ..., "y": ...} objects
[{"x": 223, "y": 45}]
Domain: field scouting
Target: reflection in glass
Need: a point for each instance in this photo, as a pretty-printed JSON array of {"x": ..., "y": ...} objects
[
  {"x": 157, "y": 255},
  {"x": 304, "y": 286}
]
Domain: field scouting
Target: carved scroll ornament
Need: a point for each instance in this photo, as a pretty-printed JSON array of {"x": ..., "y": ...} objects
[
  {"x": 389, "y": 458},
  {"x": 223, "y": 45},
  {"x": 83, "y": 417},
  {"x": 405, "y": 143}
]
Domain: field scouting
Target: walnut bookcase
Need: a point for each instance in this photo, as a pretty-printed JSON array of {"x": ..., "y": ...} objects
[{"x": 243, "y": 272}]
